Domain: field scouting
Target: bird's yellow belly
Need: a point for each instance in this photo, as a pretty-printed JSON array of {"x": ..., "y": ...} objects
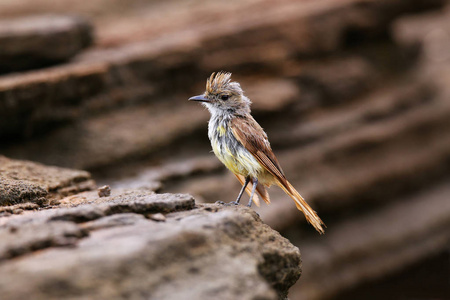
[{"x": 238, "y": 161}]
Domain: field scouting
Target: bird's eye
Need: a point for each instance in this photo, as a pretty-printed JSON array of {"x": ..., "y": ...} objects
[{"x": 225, "y": 97}]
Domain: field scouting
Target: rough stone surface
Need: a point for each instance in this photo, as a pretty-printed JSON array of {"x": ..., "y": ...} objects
[
  {"x": 374, "y": 249},
  {"x": 198, "y": 252},
  {"x": 104, "y": 191},
  {"x": 265, "y": 37},
  {"x": 25, "y": 181},
  {"x": 89, "y": 206},
  {"x": 14, "y": 191},
  {"x": 353, "y": 95},
  {"x": 27, "y": 238},
  {"x": 37, "y": 41}
]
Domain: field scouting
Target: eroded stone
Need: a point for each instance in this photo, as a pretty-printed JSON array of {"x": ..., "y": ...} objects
[
  {"x": 25, "y": 181},
  {"x": 16, "y": 241},
  {"x": 37, "y": 41},
  {"x": 206, "y": 252}
]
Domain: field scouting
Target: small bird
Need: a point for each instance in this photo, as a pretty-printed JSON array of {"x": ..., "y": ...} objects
[{"x": 242, "y": 145}]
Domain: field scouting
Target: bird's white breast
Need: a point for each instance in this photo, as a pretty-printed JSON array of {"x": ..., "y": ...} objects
[{"x": 229, "y": 150}]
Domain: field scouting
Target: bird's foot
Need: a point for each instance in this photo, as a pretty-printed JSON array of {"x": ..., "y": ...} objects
[
  {"x": 220, "y": 202},
  {"x": 232, "y": 203}
]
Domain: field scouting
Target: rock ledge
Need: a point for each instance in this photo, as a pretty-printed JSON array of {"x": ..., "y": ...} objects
[{"x": 117, "y": 247}]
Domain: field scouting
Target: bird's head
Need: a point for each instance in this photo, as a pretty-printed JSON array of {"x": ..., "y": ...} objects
[{"x": 223, "y": 95}]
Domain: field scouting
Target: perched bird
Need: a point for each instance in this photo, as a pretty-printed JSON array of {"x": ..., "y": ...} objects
[{"x": 242, "y": 145}]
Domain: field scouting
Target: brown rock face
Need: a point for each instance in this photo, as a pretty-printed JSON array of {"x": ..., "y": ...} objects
[
  {"x": 38, "y": 41},
  {"x": 24, "y": 181},
  {"x": 196, "y": 252},
  {"x": 353, "y": 95}
]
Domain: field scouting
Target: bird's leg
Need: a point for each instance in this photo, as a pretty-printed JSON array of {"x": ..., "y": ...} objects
[
  {"x": 255, "y": 183},
  {"x": 247, "y": 180}
]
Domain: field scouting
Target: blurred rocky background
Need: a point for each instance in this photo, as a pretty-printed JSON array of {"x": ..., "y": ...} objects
[{"x": 354, "y": 95}]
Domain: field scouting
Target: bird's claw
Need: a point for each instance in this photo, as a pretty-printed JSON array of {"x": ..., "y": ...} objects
[{"x": 220, "y": 202}]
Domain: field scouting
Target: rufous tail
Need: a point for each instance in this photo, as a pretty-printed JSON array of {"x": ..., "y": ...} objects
[{"x": 310, "y": 214}]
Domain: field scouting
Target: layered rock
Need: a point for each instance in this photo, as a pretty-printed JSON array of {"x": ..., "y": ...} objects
[
  {"x": 38, "y": 41},
  {"x": 24, "y": 181},
  {"x": 353, "y": 95},
  {"x": 107, "y": 78},
  {"x": 139, "y": 244}
]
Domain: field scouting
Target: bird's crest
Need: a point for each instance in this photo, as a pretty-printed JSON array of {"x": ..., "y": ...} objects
[{"x": 218, "y": 82}]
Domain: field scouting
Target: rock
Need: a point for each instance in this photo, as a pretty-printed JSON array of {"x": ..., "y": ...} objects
[
  {"x": 205, "y": 251},
  {"x": 102, "y": 141},
  {"x": 334, "y": 81},
  {"x": 266, "y": 91},
  {"x": 151, "y": 178},
  {"x": 377, "y": 243},
  {"x": 19, "y": 241},
  {"x": 24, "y": 181},
  {"x": 109, "y": 78},
  {"x": 123, "y": 219},
  {"x": 157, "y": 217},
  {"x": 18, "y": 208},
  {"x": 426, "y": 31},
  {"x": 353, "y": 95},
  {"x": 14, "y": 191},
  {"x": 136, "y": 201},
  {"x": 104, "y": 191},
  {"x": 89, "y": 206},
  {"x": 37, "y": 41}
]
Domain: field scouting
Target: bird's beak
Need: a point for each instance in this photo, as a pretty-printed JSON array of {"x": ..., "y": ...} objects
[{"x": 200, "y": 98}]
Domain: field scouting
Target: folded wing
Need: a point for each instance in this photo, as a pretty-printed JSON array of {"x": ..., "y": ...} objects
[{"x": 248, "y": 132}]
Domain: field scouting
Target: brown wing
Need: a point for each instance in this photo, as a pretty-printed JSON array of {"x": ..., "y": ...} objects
[
  {"x": 248, "y": 132},
  {"x": 254, "y": 139}
]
